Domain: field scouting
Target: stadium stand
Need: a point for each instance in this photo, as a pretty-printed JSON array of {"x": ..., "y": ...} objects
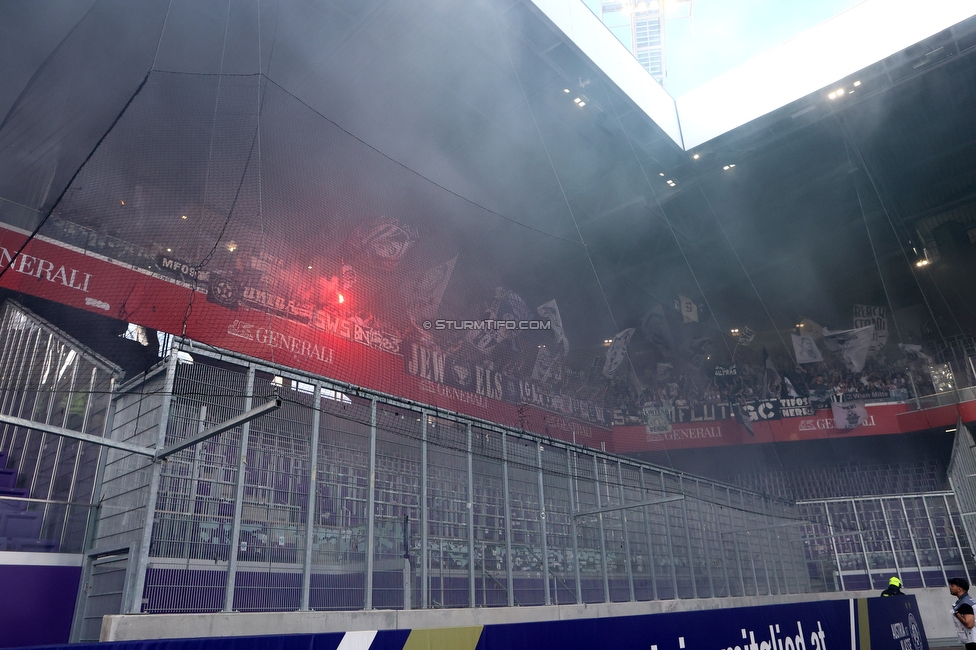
[{"x": 322, "y": 307}]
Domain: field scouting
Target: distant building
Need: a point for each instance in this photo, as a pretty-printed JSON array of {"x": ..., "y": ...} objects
[{"x": 640, "y": 26}]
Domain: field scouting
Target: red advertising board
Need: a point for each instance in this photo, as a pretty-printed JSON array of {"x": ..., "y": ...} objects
[
  {"x": 328, "y": 347},
  {"x": 883, "y": 419}
]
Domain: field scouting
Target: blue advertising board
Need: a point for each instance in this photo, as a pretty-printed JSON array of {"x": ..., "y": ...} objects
[
  {"x": 891, "y": 623},
  {"x": 822, "y": 625}
]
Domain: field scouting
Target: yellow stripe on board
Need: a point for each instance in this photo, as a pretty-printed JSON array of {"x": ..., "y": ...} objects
[
  {"x": 446, "y": 638},
  {"x": 863, "y": 624}
]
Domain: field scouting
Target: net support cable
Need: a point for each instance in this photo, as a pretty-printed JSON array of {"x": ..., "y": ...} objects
[
  {"x": 652, "y": 502},
  {"x": 67, "y": 186},
  {"x": 884, "y": 208},
  {"x": 559, "y": 183},
  {"x": 742, "y": 266},
  {"x": 867, "y": 229}
]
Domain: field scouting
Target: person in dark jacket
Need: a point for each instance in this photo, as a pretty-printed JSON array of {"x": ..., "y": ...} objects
[
  {"x": 962, "y": 612},
  {"x": 894, "y": 588}
]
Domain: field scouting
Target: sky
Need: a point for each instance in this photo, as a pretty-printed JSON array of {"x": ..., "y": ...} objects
[{"x": 726, "y": 33}]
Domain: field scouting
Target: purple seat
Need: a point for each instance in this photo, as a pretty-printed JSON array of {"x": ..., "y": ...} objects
[
  {"x": 8, "y": 478},
  {"x": 10, "y": 505},
  {"x": 33, "y": 545},
  {"x": 14, "y": 492},
  {"x": 25, "y": 525}
]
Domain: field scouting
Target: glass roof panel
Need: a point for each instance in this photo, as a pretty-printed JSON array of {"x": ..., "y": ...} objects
[
  {"x": 718, "y": 64},
  {"x": 700, "y": 39}
]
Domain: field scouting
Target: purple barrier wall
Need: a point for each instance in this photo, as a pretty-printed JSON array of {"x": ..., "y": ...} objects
[{"x": 36, "y": 604}]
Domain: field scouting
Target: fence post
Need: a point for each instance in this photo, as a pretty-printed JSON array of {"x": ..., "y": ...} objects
[
  {"x": 371, "y": 504},
  {"x": 313, "y": 482},
  {"x": 235, "y": 534},
  {"x": 142, "y": 561}
]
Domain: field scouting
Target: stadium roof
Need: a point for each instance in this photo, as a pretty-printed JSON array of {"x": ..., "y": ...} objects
[{"x": 813, "y": 60}]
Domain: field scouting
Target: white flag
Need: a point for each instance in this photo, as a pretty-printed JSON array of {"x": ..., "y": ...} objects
[
  {"x": 913, "y": 352},
  {"x": 425, "y": 293},
  {"x": 806, "y": 349},
  {"x": 790, "y": 389},
  {"x": 853, "y": 345},
  {"x": 865, "y": 315},
  {"x": 746, "y": 336},
  {"x": 550, "y": 310},
  {"x": 689, "y": 310},
  {"x": 545, "y": 363},
  {"x": 617, "y": 352},
  {"x": 812, "y": 328},
  {"x": 848, "y": 415}
]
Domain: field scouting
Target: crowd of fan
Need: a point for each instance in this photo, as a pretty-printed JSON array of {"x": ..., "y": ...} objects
[{"x": 819, "y": 382}]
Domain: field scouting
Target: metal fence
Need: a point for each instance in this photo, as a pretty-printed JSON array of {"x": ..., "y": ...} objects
[
  {"x": 487, "y": 516},
  {"x": 46, "y": 480},
  {"x": 962, "y": 478},
  {"x": 858, "y": 543}
]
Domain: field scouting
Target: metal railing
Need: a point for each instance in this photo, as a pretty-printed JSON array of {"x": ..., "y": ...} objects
[
  {"x": 44, "y": 525},
  {"x": 492, "y": 510}
]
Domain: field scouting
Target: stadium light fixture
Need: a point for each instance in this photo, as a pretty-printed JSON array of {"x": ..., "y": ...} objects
[
  {"x": 696, "y": 156},
  {"x": 565, "y": 90},
  {"x": 857, "y": 83}
]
